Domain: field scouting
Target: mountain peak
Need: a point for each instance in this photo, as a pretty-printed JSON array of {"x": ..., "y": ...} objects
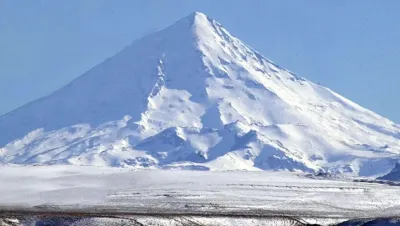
[
  {"x": 196, "y": 16},
  {"x": 196, "y": 22},
  {"x": 196, "y": 76},
  {"x": 197, "y": 19}
]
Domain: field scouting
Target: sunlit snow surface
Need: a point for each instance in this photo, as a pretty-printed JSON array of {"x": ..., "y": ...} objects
[
  {"x": 116, "y": 190},
  {"x": 195, "y": 97}
]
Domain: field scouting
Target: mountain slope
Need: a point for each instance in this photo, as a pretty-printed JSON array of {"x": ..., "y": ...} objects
[
  {"x": 194, "y": 96},
  {"x": 394, "y": 175}
]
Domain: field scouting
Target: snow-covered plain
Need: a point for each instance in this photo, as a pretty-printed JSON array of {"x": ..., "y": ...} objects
[
  {"x": 193, "y": 96},
  {"x": 125, "y": 191}
]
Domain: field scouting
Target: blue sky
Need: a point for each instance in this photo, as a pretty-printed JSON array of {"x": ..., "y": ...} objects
[{"x": 352, "y": 47}]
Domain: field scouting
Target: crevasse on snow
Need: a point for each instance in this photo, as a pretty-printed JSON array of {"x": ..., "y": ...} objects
[{"x": 193, "y": 96}]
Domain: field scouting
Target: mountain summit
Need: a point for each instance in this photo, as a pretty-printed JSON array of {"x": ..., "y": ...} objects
[{"x": 193, "y": 96}]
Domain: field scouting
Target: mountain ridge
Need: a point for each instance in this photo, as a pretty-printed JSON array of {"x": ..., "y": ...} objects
[{"x": 225, "y": 105}]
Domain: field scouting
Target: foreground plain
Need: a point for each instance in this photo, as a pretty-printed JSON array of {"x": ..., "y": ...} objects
[{"x": 162, "y": 195}]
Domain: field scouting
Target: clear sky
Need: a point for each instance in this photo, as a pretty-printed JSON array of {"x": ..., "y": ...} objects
[{"x": 352, "y": 47}]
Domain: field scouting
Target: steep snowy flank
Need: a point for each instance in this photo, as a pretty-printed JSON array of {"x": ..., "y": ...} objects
[
  {"x": 394, "y": 175},
  {"x": 194, "y": 96}
]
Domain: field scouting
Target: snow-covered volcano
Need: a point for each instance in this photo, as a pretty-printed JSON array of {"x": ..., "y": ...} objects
[{"x": 194, "y": 96}]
